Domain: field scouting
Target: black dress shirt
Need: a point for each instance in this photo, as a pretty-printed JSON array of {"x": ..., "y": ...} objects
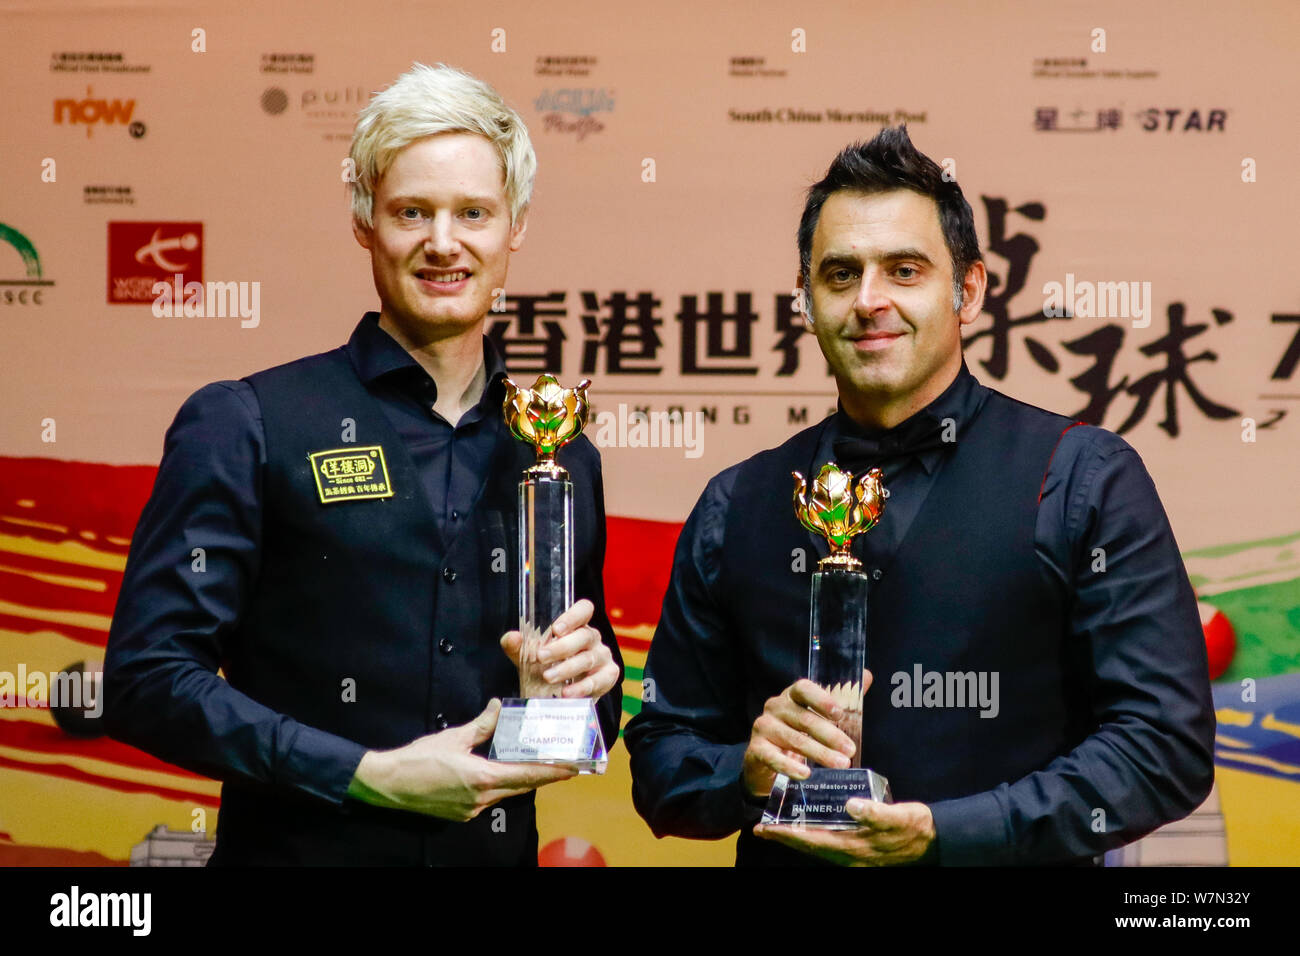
[
  {"x": 1135, "y": 617},
  {"x": 171, "y": 627}
]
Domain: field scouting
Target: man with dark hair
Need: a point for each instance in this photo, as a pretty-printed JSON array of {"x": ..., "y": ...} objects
[{"x": 1016, "y": 547}]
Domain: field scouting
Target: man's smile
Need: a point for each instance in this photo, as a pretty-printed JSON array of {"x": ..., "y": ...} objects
[
  {"x": 875, "y": 341},
  {"x": 442, "y": 281}
]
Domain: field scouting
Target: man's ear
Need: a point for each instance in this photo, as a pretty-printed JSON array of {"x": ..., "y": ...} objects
[
  {"x": 518, "y": 229},
  {"x": 363, "y": 234},
  {"x": 972, "y": 300}
]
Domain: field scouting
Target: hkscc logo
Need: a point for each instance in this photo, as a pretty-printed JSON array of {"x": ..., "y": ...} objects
[{"x": 143, "y": 253}]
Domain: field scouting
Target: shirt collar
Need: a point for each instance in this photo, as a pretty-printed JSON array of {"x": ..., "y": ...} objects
[
  {"x": 376, "y": 354},
  {"x": 960, "y": 401}
]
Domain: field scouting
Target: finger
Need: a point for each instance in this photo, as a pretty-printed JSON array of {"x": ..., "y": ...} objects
[
  {"x": 868, "y": 813},
  {"x": 481, "y": 728},
  {"x": 803, "y": 742},
  {"x": 512, "y": 642},
  {"x": 594, "y": 685},
  {"x": 807, "y": 694},
  {"x": 584, "y": 662},
  {"x": 573, "y": 618},
  {"x": 797, "y": 837},
  {"x": 866, "y": 680},
  {"x": 813, "y": 725},
  {"x": 520, "y": 778},
  {"x": 777, "y": 760},
  {"x": 561, "y": 650}
]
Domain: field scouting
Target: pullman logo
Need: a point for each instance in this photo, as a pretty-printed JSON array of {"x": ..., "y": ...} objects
[{"x": 274, "y": 101}]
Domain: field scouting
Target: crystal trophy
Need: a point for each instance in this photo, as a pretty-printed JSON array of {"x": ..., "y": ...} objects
[
  {"x": 540, "y": 726},
  {"x": 839, "y": 509}
]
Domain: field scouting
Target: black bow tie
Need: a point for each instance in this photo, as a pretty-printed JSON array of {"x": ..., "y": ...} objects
[{"x": 857, "y": 453}]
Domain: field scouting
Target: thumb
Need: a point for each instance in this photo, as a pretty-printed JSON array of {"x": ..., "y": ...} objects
[
  {"x": 512, "y": 643},
  {"x": 481, "y": 728},
  {"x": 866, "y": 680},
  {"x": 862, "y": 810}
]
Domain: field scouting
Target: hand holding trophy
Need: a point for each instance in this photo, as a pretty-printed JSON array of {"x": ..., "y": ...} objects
[
  {"x": 541, "y": 726},
  {"x": 838, "y": 509}
]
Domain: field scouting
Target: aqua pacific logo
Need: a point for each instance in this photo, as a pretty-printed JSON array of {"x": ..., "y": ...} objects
[{"x": 579, "y": 102}]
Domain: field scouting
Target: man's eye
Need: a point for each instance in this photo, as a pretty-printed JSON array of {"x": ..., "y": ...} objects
[
  {"x": 475, "y": 213},
  {"x": 410, "y": 212},
  {"x": 841, "y": 275},
  {"x": 910, "y": 270}
]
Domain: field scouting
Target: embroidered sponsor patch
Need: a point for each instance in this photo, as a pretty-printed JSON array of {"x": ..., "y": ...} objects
[{"x": 350, "y": 474}]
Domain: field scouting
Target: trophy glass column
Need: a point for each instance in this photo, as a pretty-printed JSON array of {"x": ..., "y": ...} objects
[
  {"x": 839, "y": 510},
  {"x": 540, "y": 726}
]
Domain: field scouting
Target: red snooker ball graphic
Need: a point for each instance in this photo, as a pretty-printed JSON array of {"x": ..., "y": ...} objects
[
  {"x": 1220, "y": 640},
  {"x": 569, "y": 851}
]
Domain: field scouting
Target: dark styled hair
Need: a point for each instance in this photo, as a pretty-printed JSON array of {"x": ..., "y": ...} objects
[{"x": 890, "y": 162}]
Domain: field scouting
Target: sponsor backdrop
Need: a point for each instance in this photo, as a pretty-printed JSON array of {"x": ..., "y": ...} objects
[{"x": 1131, "y": 171}]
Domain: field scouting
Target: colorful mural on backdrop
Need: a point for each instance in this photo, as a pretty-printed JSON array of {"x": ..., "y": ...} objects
[{"x": 1129, "y": 195}]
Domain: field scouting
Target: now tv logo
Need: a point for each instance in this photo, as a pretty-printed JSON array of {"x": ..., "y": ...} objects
[{"x": 92, "y": 110}]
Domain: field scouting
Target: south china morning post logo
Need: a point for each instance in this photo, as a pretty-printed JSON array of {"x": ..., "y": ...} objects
[
  {"x": 573, "y": 110},
  {"x": 22, "y": 282},
  {"x": 796, "y": 116},
  {"x": 350, "y": 474}
]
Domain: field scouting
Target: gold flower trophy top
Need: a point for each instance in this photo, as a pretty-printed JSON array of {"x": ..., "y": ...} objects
[
  {"x": 546, "y": 416},
  {"x": 839, "y": 509}
]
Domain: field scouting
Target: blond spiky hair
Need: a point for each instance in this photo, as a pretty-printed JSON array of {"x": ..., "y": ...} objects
[{"x": 438, "y": 99}]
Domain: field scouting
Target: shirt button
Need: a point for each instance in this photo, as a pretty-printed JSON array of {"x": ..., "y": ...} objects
[
  {"x": 440, "y": 722},
  {"x": 877, "y": 574},
  {"x": 445, "y": 646},
  {"x": 449, "y": 574},
  {"x": 455, "y": 515}
]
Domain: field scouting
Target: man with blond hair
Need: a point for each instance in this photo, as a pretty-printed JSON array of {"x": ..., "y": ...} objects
[{"x": 355, "y": 510}]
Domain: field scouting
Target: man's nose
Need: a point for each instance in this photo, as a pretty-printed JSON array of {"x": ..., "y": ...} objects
[
  {"x": 873, "y": 293},
  {"x": 441, "y": 239}
]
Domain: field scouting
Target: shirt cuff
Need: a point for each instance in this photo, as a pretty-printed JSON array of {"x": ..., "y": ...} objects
[
  {"x": 971, "y": 831},
  {"x": 749, "y": 809},
  {"x": 321, "y": 764}
]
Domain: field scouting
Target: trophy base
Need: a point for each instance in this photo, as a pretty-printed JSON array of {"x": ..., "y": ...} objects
[
  {"x": 550, "y": 730},
  {"x": 819, "y": 801}
]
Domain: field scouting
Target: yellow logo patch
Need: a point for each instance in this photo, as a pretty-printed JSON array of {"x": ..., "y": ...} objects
[{"x": 351, "y": 474}]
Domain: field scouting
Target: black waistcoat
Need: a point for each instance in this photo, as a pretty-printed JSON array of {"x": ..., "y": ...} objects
[
  {"x": 963, "y": 593},
  {"x": 370, "y": 591}
]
